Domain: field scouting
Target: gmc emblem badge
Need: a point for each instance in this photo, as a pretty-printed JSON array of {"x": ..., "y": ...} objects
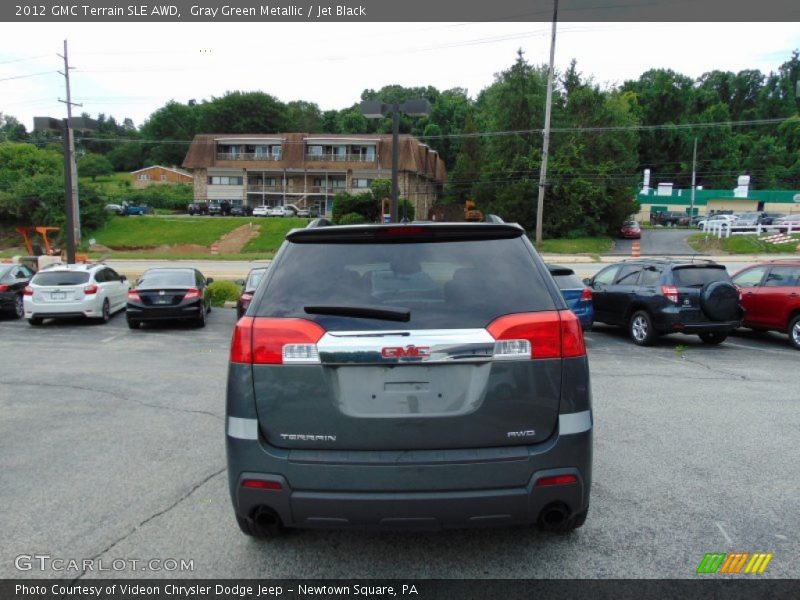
[{"x": 407, "y": 352}]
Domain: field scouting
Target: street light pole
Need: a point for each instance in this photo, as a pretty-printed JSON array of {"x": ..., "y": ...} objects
[
  {"x": 68, "y": 204},
  {"x": 378, "y": 110},
  {"x": 72, "y": 180},
  {"x": 694, "y": 173},
  {"x": 546, "y": 141},
  {"x": 395, "y": 161}
]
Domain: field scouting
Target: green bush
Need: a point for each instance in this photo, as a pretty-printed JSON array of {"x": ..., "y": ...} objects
[
  {"x": 363, "y": 204},
  {"x": 222, "y": 291},
  {"x": 352, "y": 219}
]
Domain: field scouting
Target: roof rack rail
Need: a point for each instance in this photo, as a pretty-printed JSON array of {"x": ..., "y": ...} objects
[
  {"x": 320, "y": 222},
  {"x": 493, "y": 219}
]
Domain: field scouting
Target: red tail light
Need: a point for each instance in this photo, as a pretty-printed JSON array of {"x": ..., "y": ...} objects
[
  {"x": 90, "y": 289},
  {"x": 242, "y": 341},
  {"x": 403, "y": 230},
  {"x": 556, "y": 480},
  {"x": 28, "y": 291},
  {"x": 549, "y": 334},
  {"x": 3, "y": 288},
  {"x": 257, "y": 484},
  {"x": 586, "y": 294},
  {"x": 192, "y": 294},
  {"x": 133, "y": 296},
  {"x": 275, "y": 341},
  {"x": 670, "y": 293}
]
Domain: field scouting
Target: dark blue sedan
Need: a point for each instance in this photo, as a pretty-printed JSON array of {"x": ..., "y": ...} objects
[{"x": 576, "y": 294}]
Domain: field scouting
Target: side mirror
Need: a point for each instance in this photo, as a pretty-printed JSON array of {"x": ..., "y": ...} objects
[
  {"x": 123, "y": 278},
  {"x": 239, "y": 282},
  {"x": 209, "y": 281},
  {"x": 587, "y": 281}
]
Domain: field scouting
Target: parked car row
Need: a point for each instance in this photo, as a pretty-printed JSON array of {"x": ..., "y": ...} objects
[
  {"x": 96, "y": 291},
  {"x": 237, "y": 209},
  {"x": 654, "y": 297},
  {"x": 649, "y": 297}
]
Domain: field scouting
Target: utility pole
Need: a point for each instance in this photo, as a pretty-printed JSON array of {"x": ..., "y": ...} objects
[
  {"x": 71, "y": 170},
  {"x": 393, "y": 207},
  {"x": 546, "y": 142},
  {"x": 694, "y": 174}
]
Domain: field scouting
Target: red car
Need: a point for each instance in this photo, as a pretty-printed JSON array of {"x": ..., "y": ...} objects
[
  {"x": 630, "y": 230},
  {"x": 771, "y": 297}
]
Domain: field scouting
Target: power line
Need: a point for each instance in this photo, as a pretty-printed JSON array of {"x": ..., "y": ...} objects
[{"x": 26, "y": 76}]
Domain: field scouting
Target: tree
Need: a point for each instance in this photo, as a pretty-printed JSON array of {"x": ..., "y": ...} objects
[
  {"x": 11, "y": 130},
  {"x": 244, "y": 112},
  {"x": 93, "y": 165}
]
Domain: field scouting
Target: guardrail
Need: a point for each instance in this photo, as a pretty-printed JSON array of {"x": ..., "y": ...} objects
[{"x": 723, "y": 229}]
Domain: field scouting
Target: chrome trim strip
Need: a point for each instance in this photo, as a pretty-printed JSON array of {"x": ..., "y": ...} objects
[
  {"x": 243, "y": 429},
  {"x": 437, "y": 346},
  {"x": 574, "y": 422}
]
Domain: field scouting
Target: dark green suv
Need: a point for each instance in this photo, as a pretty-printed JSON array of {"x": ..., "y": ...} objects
[{"x": 408, "y": 376}]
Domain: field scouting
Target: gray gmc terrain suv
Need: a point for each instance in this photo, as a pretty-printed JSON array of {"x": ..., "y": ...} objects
[{"x": 408, "y": 376}]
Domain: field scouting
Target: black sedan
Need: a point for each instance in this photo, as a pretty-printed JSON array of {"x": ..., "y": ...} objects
[
  {"x": 167, "y": 294},
  {"x": 13, "y": 280},
  {"x": 249, "y": 288}
]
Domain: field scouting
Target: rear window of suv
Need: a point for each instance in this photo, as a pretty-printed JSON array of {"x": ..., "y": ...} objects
[
  {"x": 445, "y": 285},
  {"x": 691, "y": 276},
  {"x": 60, "y": 278}
]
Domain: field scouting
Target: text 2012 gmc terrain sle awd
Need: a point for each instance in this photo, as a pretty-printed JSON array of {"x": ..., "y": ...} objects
[{"x": 408, "y": 376}]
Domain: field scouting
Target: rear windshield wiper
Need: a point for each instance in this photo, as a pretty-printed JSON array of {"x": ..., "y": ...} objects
[{"x": 386, "y": 313}]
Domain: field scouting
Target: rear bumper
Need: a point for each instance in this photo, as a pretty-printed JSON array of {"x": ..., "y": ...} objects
[
  {"x": 416, "y": 489},
  {"x": 171, "y": 313},
  {"x": 55, "y": 310},
  {"x": 671, "y": 321}
]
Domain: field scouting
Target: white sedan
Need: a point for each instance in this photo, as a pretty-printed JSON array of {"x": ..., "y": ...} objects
[
  {"x": 260, "y": 211},
  {"x": 94, "y": 291},
  {"x": 279, "y": 211}
]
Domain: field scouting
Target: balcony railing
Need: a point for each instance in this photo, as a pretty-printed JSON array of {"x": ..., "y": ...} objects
[
  {"x": 257, "y": 187},
  {"x": 247, "y": 156},
  {"x": 339, "y": 157}
]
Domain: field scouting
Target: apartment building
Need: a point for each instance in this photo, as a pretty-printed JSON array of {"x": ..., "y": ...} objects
[{"x": 308, "y": 170}]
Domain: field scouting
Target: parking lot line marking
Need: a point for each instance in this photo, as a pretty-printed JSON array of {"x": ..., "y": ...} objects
[
  {"x": 759, "y": 348},
  {"x": 724, "y": 533},
  {"x": 113, "y": 337}
]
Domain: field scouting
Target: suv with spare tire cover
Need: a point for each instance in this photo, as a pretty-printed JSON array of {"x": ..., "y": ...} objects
[
  {"x": 408, "y": 376},
  {"x": 656, "y": 297}
]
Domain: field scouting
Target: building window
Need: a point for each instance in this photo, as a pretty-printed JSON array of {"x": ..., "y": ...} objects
[
  {"x": 361, "y": 183},
  {"x": 224, "y": 180},
  {"x": 143, "y": 177},
  {"x": 163, "y": 178}
]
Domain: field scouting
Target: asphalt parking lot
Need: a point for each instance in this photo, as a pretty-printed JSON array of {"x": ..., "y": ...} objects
[{"x": 112, "y": 447}]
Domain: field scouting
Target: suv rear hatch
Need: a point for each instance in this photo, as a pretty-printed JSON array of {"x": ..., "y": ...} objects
[
  {"x": 699, "y": 296},
  {"x": 407, "y": 337},
  {"x": 59, "y": 287}
]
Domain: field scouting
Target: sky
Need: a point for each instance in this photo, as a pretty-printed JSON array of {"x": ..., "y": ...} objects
[{"x": 132, "y": 69}]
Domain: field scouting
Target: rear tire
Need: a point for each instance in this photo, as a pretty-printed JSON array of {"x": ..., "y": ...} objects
[
  {"x": 35, "y": 321},
  {"x": 19, "y": 307},
  {"x": 201, "y": 318},
  {"x": 640, "y": 328},
  {"x": 713, "y": 338},
  {"x": 794, "y": 332},
  {"x": 106, "y": 314},
  {"x": 133, "y": 324}
]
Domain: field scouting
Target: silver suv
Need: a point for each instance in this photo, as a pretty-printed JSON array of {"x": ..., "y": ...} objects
[{"x": 408, "y": 376}]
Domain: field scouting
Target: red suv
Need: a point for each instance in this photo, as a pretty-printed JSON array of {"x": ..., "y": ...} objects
[{"x": 771, "y": 297}]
